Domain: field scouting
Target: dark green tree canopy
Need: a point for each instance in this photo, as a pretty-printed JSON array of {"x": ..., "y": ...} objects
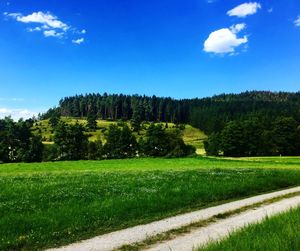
[
  {"x": 71, "y": 141},
  {"x": 92, "y": 121},
  {"x": 17, "y": 143},
  {"x": 208, "y": 114},
  {"x": 159, "y": 142},
  {"x": 253, "y": 137},
  {"x": 120, "y": 142}
]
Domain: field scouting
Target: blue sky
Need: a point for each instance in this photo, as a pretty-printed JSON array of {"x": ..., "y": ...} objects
[{"x": 183, "y": 49}]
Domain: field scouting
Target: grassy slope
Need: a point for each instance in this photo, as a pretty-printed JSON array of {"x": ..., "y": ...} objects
[
  {"x": 279, "y": 233},
  {"x": 48, "y": 204},
  {"x": 191, "y": 135}
]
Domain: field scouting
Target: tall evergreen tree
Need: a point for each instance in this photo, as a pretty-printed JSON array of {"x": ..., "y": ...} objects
[
  {"x": 92, "y": 121},
  {"x": 54, "y": 118},
  {"x": 287, "y": 136},
  {"x": 17, "y": 143},
  {"x": 136, "y": 118},
  {"x": 71, "y": 141}
]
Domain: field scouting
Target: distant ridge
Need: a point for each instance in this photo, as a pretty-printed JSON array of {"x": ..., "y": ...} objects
[{"x": 210, "y": 114}]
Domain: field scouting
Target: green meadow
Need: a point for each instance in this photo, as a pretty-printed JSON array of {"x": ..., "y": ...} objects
[
  {"x": 278, "y": 233},
  {"x": 53, "y": 203}
]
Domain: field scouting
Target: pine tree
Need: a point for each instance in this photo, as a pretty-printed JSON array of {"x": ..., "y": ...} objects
[
  {"x": 91, "y": 121},
  {"x": 71, "y": 141},
  {"x": 136, "y": 118}
]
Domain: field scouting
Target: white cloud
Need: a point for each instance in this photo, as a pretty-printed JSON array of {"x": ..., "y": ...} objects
[
  {"x": 4, "y": 111},
  {"x": 42, "y": 18},
  {"x": 48, "y": 24},
  {"x": 270, "y": 10},
  {"x": 225, "y": 40},
  {"x": 244, "y": 9},
  {"x": 237, "y": 28},
  {"x": 52, "y": 33},
  {"x": 13, "y": 15},
  {"x": 297, "y": 21},
  {"x": 17, "y": 113},
  {"x": 78, "y": 41},
  {"x": 34, "y": 29}
]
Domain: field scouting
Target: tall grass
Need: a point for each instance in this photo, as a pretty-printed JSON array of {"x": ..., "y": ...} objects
[
  {"x": 49, "y": 204},
  {"x": 279, "y": 233}
]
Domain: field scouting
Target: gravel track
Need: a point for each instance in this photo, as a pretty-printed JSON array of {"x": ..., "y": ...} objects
[
  {"x": 114, "y": 240},
  {"x": 222, "y": 228}
]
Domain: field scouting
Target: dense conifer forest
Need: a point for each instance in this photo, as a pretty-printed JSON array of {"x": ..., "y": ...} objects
[
  {"x": 208, "y": 114},
  {"x": 256, "y": 123}
]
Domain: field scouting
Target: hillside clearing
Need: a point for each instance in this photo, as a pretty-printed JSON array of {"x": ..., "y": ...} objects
[{"x": 191, "y": 135}]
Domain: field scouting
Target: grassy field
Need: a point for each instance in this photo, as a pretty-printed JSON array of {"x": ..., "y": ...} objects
[
  {"x": 49, "y": 204},
  {"x": 191, "y": 135},
  {"x": 279, "y": 233}
]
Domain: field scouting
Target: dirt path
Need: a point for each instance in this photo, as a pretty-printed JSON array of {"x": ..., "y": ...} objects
[
  {"x": 222, "y": 228},
  {"x": 139, "y": 233}
]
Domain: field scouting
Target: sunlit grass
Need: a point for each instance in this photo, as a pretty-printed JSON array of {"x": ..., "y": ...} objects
[
  {"x": 278, "y": 233},
  {"x": 191, "y": 135},
  {"x": 52, "y": 203}
]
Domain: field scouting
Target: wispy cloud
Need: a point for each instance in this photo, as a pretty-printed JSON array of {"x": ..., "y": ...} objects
[
  {"x": 244, "y": 9},
  {"x": 52, "y": 33},
  {"x": 78, "y": 41},
  {"x": 17, "y": 113},
  {"x": 46, "y": 19},
  {"x": 297, "y": 21},
  {"x": 45, "y": 22},
  {"x": 34, "y": 29},
  {"x": 12, "y": 99},
  {"x": 225, "y": 40}
]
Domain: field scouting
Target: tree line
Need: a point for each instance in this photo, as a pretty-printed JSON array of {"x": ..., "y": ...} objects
[
  {"x": 208, "y": 114},
  {"x": 244, "y": 124},
  {"x": 247, "y": 124},
  {"x": 18, "y": 144},
  {"x": 124, "y": 107},
  {"x": 254, "y": 136}
]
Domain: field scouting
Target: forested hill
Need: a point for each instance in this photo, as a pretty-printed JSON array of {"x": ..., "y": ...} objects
[{"x": 209, "y": 114}]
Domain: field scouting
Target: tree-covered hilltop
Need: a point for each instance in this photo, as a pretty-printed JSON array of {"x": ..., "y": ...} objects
[
  {"x": 246, "y": 124},
  {"x": 213, "y": 114},
  {"x": 208, "y": 114},
  {"x": 256, "y": 123}
]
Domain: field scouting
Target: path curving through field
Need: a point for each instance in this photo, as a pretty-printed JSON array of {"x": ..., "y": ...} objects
[
  {"x": 201, "y": 236},
  {"x": 222, "y": 228}
]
